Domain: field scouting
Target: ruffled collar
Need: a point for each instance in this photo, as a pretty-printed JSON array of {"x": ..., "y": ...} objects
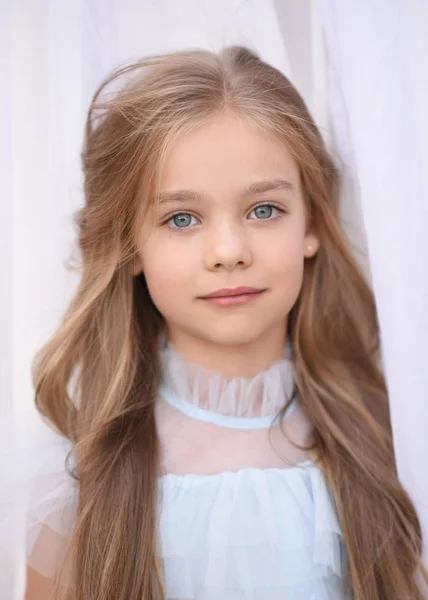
[{"x": 258, "y": 397}]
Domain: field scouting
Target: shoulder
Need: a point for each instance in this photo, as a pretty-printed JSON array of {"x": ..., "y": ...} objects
[
  {"x": 41, "y": 588},
  {"x": 38, "y": 496},
  {"x": 36, "y": 464}
]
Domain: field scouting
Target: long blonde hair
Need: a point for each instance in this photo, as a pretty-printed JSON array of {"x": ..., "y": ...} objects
[{"x": 109, "y": 335}]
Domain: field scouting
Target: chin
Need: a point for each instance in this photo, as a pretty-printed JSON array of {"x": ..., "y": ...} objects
[{"x": 231, "y": 335}]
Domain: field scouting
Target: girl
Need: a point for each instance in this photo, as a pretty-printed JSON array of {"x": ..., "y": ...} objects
[{"x": 228, "y": 433}]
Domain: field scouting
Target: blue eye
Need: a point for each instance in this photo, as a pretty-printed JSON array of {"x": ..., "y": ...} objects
[
  {"x": 265, "y": 212},
  {"x": 180, "y": 221}
]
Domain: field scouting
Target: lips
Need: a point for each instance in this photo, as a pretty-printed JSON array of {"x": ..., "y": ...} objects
[
  {"x": 229, "y": 292},
  {"x": 233, "y": 297}
]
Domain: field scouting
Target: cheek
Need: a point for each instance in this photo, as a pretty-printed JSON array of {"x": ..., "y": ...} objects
[
  {"x": 286, "y": 264},
  {"x": 167, "y": 271}
]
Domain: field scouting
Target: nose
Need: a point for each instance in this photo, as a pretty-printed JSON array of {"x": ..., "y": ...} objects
[{"x": 227, "y": 247}]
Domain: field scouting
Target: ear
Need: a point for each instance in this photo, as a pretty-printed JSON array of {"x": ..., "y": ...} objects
[{"x": 312, "y": 245}]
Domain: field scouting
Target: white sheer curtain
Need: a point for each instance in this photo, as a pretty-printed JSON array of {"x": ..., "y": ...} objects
[
  {"x": 360, "y": 67},
  {"x": 378, "y": 92}
]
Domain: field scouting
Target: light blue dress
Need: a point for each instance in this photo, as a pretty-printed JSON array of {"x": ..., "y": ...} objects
[
  {"x": 245, "y": 532},
  {"x": 242, "y": 513}
]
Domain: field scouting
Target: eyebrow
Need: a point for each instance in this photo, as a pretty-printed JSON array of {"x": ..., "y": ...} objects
[{"x": 255, "y": 189}]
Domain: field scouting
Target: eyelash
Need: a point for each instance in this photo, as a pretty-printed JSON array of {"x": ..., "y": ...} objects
[{"x": 280, "y": 212}]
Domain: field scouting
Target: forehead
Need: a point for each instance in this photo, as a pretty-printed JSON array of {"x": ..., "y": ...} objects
[{"x": 226, "y": 153}]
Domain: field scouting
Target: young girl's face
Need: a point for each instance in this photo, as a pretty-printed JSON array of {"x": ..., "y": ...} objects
[{"x": 230, "y": 214}]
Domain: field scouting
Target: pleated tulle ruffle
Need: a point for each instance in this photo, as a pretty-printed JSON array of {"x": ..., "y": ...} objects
[
  {"x": 261, "y": 396},
  {"x": 262, "y": 534}
]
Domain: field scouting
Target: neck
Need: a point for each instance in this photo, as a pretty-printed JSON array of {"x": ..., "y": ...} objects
[{"x": 235, "y": 359}]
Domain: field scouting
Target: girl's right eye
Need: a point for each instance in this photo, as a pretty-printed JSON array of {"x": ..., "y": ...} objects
[{"x": 181, "y": 221}]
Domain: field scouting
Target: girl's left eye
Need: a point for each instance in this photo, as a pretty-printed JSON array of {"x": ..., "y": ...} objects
[{"x": 265, "y": 211}]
